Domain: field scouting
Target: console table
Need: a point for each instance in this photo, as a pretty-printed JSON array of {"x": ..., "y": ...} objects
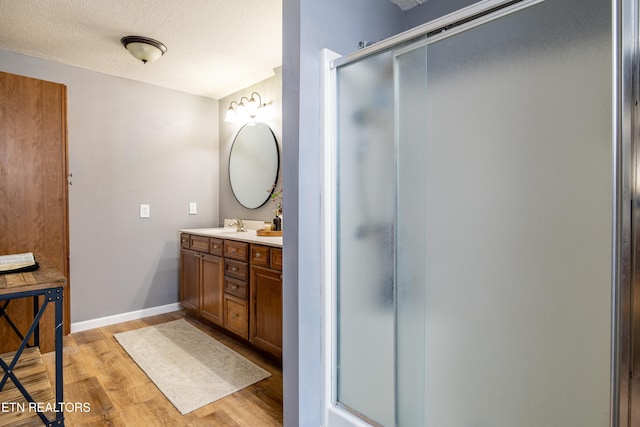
[{"x": 23, "y": 367}]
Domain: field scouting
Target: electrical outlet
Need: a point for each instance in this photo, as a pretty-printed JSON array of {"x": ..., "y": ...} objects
[
  {"x": 193, "y": 208},
  {"x": 145, "y": 211}
]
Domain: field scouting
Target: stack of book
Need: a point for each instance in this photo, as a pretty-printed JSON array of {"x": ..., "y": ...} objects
[{"x": 18, "y": 263}]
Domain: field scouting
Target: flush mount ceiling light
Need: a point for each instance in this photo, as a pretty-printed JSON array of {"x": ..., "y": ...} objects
[{"x": 143, "y": 48}]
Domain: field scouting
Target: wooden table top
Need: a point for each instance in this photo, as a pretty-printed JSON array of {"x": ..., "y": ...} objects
[{"x": 46, "y": 277}]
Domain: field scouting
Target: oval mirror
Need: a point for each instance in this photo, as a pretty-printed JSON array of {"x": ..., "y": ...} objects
[{"x": 253, "y": 164}]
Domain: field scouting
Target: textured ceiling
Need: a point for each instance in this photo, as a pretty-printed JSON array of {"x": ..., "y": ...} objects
[{"x": 215, "y": 47}]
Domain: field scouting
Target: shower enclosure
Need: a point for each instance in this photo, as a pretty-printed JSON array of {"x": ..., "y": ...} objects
[{"x": 474, "y": 182}]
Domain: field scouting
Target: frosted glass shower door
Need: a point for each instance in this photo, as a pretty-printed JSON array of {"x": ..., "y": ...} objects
[
  {"x": 381, "y": 244},
  {"x": 365, "y": 243}
]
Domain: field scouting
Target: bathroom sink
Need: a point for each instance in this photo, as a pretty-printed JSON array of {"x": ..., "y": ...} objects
[{"x": 229, "y": 231}]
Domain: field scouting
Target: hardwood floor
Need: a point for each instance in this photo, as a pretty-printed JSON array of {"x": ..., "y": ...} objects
[{"x": 98, "y": 371}]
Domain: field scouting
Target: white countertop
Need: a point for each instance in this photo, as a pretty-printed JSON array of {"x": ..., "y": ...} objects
[{"x": 231, "y": 233}]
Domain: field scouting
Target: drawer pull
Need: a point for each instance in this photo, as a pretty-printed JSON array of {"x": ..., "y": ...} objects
[
  {"x": 234, "y": 268},
  {"x": 258, "y": 255},
  {"x": 235, "y": 315},
  {"x": 232, "y": 249},
  {"x": 216, "y": 247},
  {"x": 234, "y": 286}
]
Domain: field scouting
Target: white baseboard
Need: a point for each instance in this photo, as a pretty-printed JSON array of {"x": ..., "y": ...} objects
[{"x": 123, "y": 317}]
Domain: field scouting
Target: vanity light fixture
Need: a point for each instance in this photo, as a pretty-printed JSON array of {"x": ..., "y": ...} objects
[
  {"x": 244, "y": 110},
  {"x": 231, "y": 115},
  {"x": 143, "y": 48},
  {"x": 253, "y": 105}
]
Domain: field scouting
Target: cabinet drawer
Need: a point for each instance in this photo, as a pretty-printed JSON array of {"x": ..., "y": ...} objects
[
  {"x": 276, "y": 258},
  {"x": 260, "y": 255},
  {"x": 236, "y": 250},
  {"x": 216, "y": 246},
  {"x": 236, "y": 269},
  {"x": 184, "y": 241},
  {"x": 199, "y": 243},
  {"x": 235, "y": 316},
  {"x": 235, "y": 287}
]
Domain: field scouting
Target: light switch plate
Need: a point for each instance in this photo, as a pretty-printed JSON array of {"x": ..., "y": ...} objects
[
  {"x": 145, "y": 211},
  {"x": 193, "y": 208}
]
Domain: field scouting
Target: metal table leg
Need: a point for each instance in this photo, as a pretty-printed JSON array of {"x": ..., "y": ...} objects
[{"x": 54, "y": 295}]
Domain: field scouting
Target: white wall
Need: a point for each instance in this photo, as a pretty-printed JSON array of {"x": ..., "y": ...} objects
[
  {"x": 130, "y": 143},
  {"x": 310, "y": 26}
]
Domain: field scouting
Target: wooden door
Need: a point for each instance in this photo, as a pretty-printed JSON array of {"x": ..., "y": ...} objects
[{"x": 33, "y": 187}]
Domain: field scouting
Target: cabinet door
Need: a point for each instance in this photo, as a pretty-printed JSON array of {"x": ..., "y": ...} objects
[
  {"x": 265, "y": 329},
  {"x": 212, "y": 288},
  {"x": 189, "y": 280}
]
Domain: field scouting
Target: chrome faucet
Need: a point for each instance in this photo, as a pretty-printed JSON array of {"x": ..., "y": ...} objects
[{"x": 238, "y": 224}]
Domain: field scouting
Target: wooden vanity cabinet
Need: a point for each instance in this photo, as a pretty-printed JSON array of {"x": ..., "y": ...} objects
[
  {"x": 235, "y": 285},
  {"x": 201, "y": 280}
]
